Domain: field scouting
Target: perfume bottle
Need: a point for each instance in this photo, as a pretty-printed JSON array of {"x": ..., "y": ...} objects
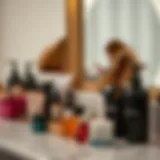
[
  {"x": 18, "y": 101},
  {"x": 6, "y": 109},
  {"x": 16, "y": 93},
  {"x": 14, "y": 77},
  {"x": 70, "y": 99},
  {"x": 70, "y": 123},
  {"x": 38, "y": 124},
  {"x": 101, "y": 131},
  {"x": 55, "y": 118},
  {"x": 136, "y": 111},
  {"x": 56, "y": 111},
  {"x": 29, "y": 81},
  {"x": 36, "y": 111},
  {"x": 83, "y": 129},
  {"x": 51, "y": 96}
]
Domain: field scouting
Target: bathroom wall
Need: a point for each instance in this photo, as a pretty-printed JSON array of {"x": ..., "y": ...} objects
[{"x": 27, "y": 27}]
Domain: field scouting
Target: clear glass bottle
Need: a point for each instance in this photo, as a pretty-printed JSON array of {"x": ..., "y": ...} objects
[
  {"x": 55, "y": 118},
  {"x": 101, "y": 131}
]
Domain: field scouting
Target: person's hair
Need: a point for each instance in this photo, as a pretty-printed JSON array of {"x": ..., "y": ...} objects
[
  {"x": 123, "y": 64},
  {"x": 115, "y": 46}
]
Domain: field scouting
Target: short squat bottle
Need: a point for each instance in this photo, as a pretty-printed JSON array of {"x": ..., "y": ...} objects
[{"x": 101, "y": 132}]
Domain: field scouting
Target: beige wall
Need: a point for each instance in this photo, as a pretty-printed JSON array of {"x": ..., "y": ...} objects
[{"x": 28, "y": 26}]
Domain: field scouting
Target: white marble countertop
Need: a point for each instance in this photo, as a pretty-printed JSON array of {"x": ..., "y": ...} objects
[{"x": 18, "y": 138}]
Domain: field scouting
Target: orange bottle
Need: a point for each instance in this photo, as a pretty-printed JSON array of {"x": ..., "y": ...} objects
[{"x": 70, "y": 124}]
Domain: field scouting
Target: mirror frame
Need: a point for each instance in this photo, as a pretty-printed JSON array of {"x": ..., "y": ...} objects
[
  {"x": 74, "y": 12},
  {"x": 75, "y": 31}
]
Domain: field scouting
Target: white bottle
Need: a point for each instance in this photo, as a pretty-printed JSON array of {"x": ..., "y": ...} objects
[{"x": 101, "y": 131}]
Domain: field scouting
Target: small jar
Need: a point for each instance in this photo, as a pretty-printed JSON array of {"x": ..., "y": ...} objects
[
  {"x": 38, "y": 124},
  {"x": 101, "y": 132}
]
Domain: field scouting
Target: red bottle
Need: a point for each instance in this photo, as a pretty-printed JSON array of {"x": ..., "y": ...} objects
[{"x": 83, "y": 133}]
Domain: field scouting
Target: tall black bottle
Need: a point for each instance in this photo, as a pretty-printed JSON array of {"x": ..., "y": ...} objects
[
  {"x": 136, "y": 110},
  {"x": 70, "y": 99},
  {"x": 110, "y": 102},
  {"x": 30, "y": 82},
  {"x": 51, "y": 96},
  {"x": 14, "y": 76}
]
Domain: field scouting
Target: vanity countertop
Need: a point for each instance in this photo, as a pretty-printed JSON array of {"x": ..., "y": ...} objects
[{"x": 18, "y": 138}]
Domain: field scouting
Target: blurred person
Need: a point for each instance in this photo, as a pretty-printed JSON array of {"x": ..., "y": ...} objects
[
  {"x": 124, "y": 73},
  {"x": 124, "y": 64}
]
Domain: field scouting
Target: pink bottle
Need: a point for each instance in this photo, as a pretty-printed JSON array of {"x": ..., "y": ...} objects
[
  {"x": 12, "y": 107},
  {"x": 18, "y": 101},
  {"x": 6, "y": 108}
]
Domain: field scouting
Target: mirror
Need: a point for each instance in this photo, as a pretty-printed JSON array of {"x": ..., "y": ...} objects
[{"x": 135, "y": 22}]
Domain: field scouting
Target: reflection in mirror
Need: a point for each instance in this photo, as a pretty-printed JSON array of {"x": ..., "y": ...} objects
[{"x": 135, "y": 22}]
